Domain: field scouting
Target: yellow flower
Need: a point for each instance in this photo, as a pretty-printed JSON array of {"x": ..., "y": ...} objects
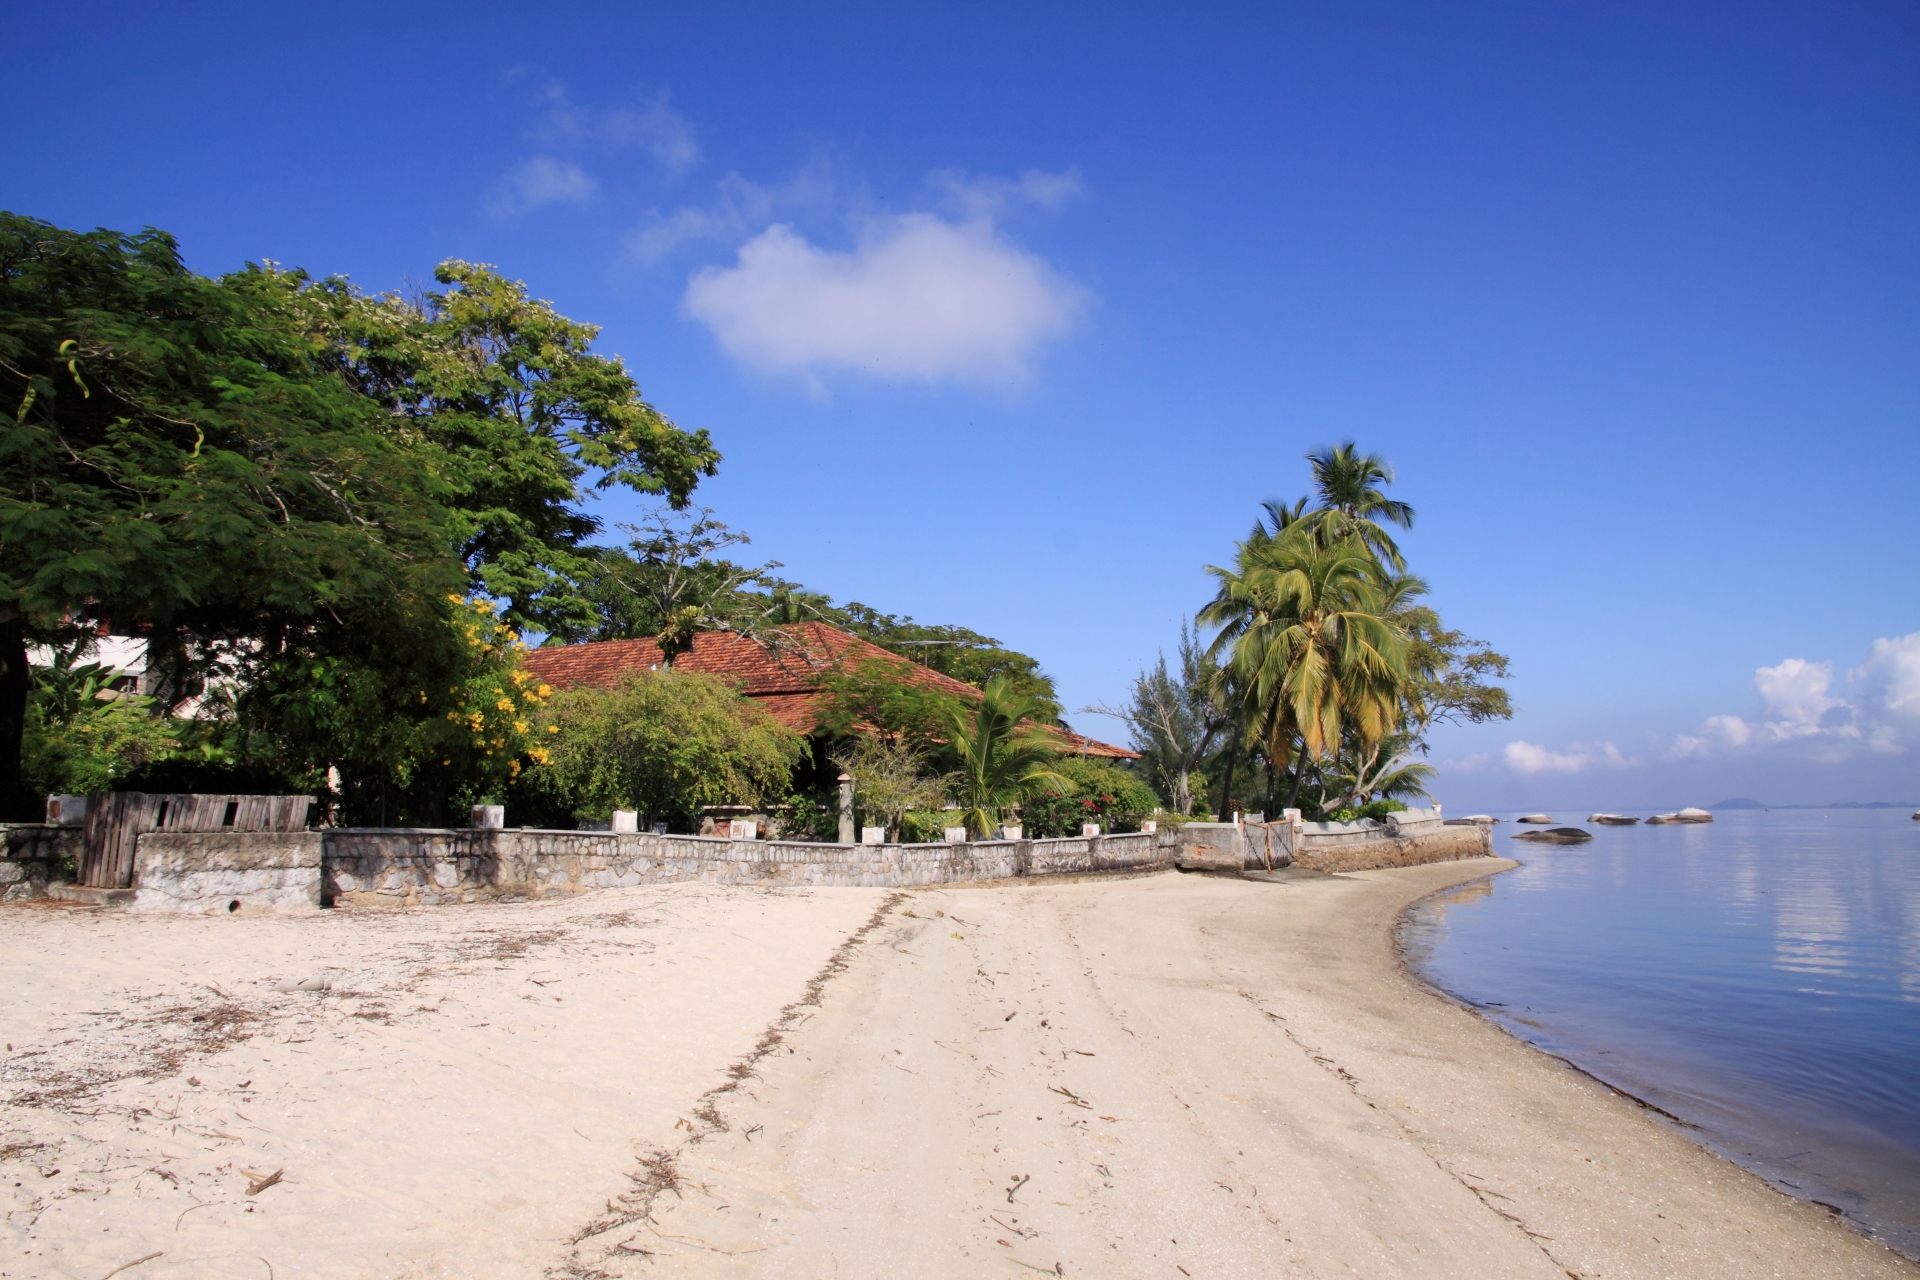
[
  {"x": 544, "y": 690},
  {"x": 553, "y": 728},
  {"x": 505, "y": 704}
]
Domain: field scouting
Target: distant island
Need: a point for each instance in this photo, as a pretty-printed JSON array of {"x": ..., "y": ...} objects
[{"x": 1741, "y": 803}]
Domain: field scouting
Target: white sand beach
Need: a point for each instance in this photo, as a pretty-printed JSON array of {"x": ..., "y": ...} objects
[{"x": 1164, "y": 1076}]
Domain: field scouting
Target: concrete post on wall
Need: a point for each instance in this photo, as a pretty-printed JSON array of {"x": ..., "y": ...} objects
[
  {"x": 846, "y": 809},
  {"x": 489, "y": 817},
  {"x": 625, "y": 822}
]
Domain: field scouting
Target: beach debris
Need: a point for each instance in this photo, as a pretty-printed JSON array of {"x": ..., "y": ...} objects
[
  {"x": 1540, "y": 819},
  {"x": 1019, "y": 1180},
  {"x": 128, "y": 1266},
  {"x": 1612, "y": 819},
  {"x": 304, "y": 984},
  {"x": 1681, "y": 815},
  {"x": 259, "y": 1183},
  {"x": 1555, "y": 835}
]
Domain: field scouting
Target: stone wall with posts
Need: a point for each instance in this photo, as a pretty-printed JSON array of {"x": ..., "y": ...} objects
[
  {"x": 1406, "y": 839},
  {"x": 34, "y": 856},
  {"x": 227, "y": 873},
  {"x": 412, "y": 866},
  {"x": 253, "y": 872}
]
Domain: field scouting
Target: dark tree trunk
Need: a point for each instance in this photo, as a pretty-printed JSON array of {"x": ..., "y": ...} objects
[
  {"x": 1226, "y": 785},
  {"x": 15, "y": 804}
]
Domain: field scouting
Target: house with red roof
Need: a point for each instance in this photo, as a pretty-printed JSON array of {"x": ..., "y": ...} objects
[{"x": 785, "y": 677}]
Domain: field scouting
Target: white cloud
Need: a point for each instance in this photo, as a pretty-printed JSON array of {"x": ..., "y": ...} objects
[
  {"x": 1800, "y": 707},
  {"x": 986, "y": 197},
  {"x": 540, "y": 181},
  {"x": 739, "y": 206},
  {"x": 1795, "y": 696},
  {"x": 1891, "y": 675},
  {"x": 917, "y": 297},
  {"x": 660, "y": 131},
  {"x": 1530, "y": 758},
  {"x": 661, "y": 234}
]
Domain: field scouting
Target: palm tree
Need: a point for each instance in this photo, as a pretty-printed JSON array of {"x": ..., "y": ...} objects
[
  {"x": 1004, "y": 757},
  {"x": 1351, "y": 503},
  {"x": 1311, "y": 642}
]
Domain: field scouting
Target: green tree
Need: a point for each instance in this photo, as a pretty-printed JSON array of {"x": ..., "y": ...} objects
[
  {"x": 83, "y": 734},
  {"x": 1307, "y": 628},
  {"x": 524, "y": 420},
  {"x": 1002, "y": 755},
  {"x": 890, "y": 777},
  {"x": 882, "y": 697},
  {"x": 1176, "y": 719},
  {"x": 1336, "y": 669},
  {"x": 179, "y": 459},
  {"x": 954, "y": 651},
  {"x": 1352, "y": 504},
  {"x": 664, "y": 743}
]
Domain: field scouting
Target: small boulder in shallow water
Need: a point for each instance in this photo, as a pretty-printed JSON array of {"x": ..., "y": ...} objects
[
  {"x": 1539, "y": 818},
  {"x": 1612, "y": 819},
  {"x": 1555, "y": 835},
  {"x": 1487, "y": 820},
  {"x": 1683, "y": 815}
]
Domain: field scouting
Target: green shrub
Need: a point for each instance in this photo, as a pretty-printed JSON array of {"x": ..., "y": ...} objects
[
  {"x": 1377, "y": 810},
  {"x": 1118, "y": 799},
  {"x": 664, "y": 744}
]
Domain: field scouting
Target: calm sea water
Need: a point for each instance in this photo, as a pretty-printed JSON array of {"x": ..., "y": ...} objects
[{"x": 1758, "y": 978}]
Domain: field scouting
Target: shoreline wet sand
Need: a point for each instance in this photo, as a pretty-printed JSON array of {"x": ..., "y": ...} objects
[
  {"x": 1188, "y": 1075},
  {"x": 1166, "y": 1075}
]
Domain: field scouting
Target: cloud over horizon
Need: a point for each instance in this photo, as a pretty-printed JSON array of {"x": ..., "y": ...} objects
[
  {"x": 1530, "y": 758},
  {"x": 917, "y": 297},
  {"x": 1800, "y": 711}
]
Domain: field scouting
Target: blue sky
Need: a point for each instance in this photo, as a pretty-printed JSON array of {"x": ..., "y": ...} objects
[{"x": 1011, "y": 316}]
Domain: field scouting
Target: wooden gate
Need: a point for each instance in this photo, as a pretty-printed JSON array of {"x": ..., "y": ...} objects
[{"x": 117, "y": 819}]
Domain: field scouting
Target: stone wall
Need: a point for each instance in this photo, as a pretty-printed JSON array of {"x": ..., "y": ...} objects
[
  {"x": 1379, "y": 848},
  {"x": 35, "y": 856},
  {"x": 227, "y": 873},
  {"x": 414, "y": 866}
]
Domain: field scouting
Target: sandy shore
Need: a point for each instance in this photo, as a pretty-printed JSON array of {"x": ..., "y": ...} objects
[{"x": 1155, "y": 1077}]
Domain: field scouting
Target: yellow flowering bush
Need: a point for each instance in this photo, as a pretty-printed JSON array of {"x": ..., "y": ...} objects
[{"x": 486, "y": 732}]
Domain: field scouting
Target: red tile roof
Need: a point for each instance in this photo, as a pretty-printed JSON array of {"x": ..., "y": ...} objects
[{"x": 785, "y": 679}]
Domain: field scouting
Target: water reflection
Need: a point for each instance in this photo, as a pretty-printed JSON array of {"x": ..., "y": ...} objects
[{"x": 1757, "y": 977}]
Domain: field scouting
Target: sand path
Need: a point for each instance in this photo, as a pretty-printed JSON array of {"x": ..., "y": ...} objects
[
  {"x": 1194, "y": 1076},
  {"x": 456, "y": 1104}
]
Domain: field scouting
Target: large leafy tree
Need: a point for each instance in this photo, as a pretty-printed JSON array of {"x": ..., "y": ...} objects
[
  {"x": 523, "y": 417},
  {"x": 180, "y": 458}
]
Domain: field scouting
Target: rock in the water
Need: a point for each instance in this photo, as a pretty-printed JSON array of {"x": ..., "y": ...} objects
[
  {"x": 1612, "y": 819},
  {"x": 1555, "y": 835},
  {"x": 1487, "y": 820},
  {"x": 1540, "y": 818},
  {"x": 1683, "y": 815}
]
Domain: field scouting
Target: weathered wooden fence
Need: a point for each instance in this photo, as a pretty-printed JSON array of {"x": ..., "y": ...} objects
[{"x": 117, "y": 819}]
